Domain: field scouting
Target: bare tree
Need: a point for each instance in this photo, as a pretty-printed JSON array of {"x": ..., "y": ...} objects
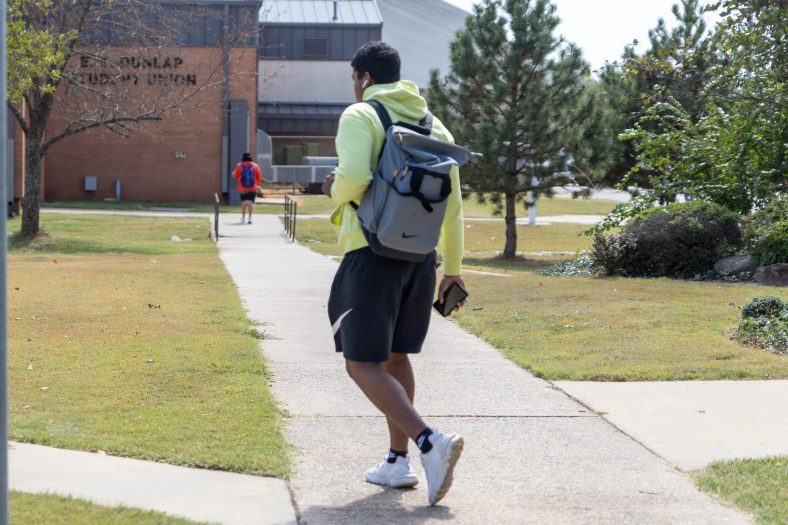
[{"x": 99, "y": 64}]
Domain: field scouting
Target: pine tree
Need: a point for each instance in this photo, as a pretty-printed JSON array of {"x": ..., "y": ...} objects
[
  {"x": 677, "y": 64},
  {"x": 516, "y": 94}
]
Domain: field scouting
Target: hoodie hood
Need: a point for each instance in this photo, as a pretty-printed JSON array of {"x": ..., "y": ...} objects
[{"x": 400, "y": 97}]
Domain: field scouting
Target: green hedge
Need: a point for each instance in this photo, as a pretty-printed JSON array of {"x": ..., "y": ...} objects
[{"x": 679, "y": 240}]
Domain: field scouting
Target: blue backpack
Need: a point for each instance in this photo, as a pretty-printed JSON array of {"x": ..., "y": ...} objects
[
  {"x": 402, "y": 210},
  {"x": 247, "y": 175}
]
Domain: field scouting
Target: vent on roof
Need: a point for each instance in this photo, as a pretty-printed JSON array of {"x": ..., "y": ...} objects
[{"x": 315, "y": 47}]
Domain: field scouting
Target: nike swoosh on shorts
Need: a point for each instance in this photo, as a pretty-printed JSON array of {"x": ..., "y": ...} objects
[{"x": 338, "y": 322}]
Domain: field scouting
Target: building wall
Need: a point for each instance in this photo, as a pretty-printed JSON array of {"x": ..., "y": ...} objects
[
  {"x": 176, "y": 159},
  {"x": 305, "y": 81},
  {"x": 314, "y": 42},
  {"x": 410, "y": 27}
]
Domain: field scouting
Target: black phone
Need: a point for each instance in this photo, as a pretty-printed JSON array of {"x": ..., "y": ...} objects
[{"x": 454, "y": 295}]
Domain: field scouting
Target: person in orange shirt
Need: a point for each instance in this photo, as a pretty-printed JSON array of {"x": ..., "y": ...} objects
[{"x": 248, "y": 175}]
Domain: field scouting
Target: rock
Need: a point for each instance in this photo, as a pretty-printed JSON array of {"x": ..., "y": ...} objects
[
  {"x": 736, "y": 264},
  {"x": 175, "y": 238},
  {"x": 772, "y": 275}
]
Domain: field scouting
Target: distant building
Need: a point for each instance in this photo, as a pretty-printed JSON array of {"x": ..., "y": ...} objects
[
  {"x": 305, "y": 51},
  {"x": 287, "y": 86}
]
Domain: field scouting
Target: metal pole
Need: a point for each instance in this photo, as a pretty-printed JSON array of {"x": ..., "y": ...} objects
[
  {"x": 3, "y": 284},
  {"x": 216, "y": 216},
  {"x": 226, "y": 101},
  {"x": 295, "y": 216}
]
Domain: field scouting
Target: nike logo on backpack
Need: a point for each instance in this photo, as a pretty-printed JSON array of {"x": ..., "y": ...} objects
[{"x": 406, "y": 236}]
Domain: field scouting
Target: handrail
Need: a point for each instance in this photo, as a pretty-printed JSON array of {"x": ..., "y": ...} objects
[
  {"x": 291, "y": 214},
  {"x": 216, "y": 216}
]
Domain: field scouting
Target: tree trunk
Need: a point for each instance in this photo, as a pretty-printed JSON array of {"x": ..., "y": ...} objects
[
  {"x": 510, "y": 249},
  {"x": 31, "y": 205}
]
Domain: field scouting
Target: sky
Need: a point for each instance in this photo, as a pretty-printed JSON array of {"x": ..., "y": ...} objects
[{"x": 603, "y": 27}]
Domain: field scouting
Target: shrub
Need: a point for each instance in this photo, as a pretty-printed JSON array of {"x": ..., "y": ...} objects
[
  {"x": 764, "y": 324},
  {"x": 680, "y": 240},
  {"x": 614, "y": 253},
  {"x": 772, "y": 246},
  {"x": 763, "y": 306},
  {"x": 766, "y": 233},
  {"x": 581, "y": 265},
  {"x": 775, "y": 211}
]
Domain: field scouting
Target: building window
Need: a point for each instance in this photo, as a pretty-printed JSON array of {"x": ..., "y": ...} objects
[{"x": 315, "y": 47}]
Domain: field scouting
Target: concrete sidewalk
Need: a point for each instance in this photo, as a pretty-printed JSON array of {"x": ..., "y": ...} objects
[
  {"x": 692, "y": 423},
  {"x": 197, "y": 494},
  {"x": 532, "y": 455}
]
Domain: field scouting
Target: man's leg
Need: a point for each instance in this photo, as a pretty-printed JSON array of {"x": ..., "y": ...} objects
[
  {"x": 243, "y": 211},
  {"x": 388, "y": 395},
  {"x": 399, "y": 367},
  {"x": 251, "y": 208}
]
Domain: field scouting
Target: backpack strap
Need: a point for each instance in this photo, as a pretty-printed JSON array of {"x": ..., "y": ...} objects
[
  {"x": 383, "y": 114},
  {"x": 426, "y": 122},
  {"x": 385, "y": 119}
]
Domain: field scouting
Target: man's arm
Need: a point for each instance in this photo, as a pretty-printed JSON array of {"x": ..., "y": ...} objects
[
  {"x": 452, "y": 233},
  {"x": 452, "y": 239}
]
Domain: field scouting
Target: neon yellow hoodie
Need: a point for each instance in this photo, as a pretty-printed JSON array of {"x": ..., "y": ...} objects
[{"x": 359, "y": 140}]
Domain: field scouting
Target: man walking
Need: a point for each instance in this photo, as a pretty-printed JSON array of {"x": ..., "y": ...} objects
[
  {"x": 249, "y": 176},
  {"x": 380, "y": 308}
]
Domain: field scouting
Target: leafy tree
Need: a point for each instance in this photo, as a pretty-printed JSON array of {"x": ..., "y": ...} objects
[
  {"x": 624, "y": 94},
  {"x": 679, "y": 59},
  {"x": 47, "y": 42},
  {"x": 677, "y": 64},
  {"x": 733, "y": 151},
  {"x": 517, "y": 94}
]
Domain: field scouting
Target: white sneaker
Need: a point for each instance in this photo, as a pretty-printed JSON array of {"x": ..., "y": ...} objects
[
  {"x": 396, "y": 475},
  {"x": 439, "y": 463},
  {"x": 250, "y": 221}
]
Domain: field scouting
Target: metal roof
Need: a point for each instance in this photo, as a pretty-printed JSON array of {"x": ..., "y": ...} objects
[
  {"x": 320, "y": 12},
  {"x": 298, "y": 110},
  {"x": 253, "y": 3}
]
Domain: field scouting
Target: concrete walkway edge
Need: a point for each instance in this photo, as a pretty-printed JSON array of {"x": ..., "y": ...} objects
[{"x": 197, "y": 494}]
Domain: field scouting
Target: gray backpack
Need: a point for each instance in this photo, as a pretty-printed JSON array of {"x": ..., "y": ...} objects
[{"x": 403, "y": 208}]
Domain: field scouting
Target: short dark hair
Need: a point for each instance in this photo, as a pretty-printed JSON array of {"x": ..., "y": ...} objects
[
  {"x": 247, "y": 157},
  {"x": 378, "y": 59}
]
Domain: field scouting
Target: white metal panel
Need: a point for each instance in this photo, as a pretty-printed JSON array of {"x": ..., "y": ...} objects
[
  {"x": 305, "y": 81},
  {"x": 421, "y": 31}
]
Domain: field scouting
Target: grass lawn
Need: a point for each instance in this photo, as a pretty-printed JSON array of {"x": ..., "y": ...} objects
[
  {"x": 601, "y": 329},
  {"x": 319, "y": 204},
  {"x": 545, "y": 206},
  {"x": 615, "y": 329},
  {"x": 759, "y": 486},
  {"x": 206, "y": 207},
  {"x": 480, "y": 236},
  {"x": 123, "y": 341},
  {"x": 47, "y": 509}
]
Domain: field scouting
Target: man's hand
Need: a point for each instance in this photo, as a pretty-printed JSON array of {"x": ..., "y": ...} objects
[
  {"x": 446, "y": 282},
  {"x": 328, "y": 183}
]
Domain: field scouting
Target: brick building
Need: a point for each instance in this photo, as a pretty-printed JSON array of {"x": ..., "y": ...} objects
[
  {"x": 277, "y": 91},
  {"x": 210, "y": 56}
]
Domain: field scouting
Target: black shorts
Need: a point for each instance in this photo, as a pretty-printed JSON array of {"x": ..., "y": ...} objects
[
  {"x": 249, "y": 196},
  {"x": 379, "y": 305}
]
